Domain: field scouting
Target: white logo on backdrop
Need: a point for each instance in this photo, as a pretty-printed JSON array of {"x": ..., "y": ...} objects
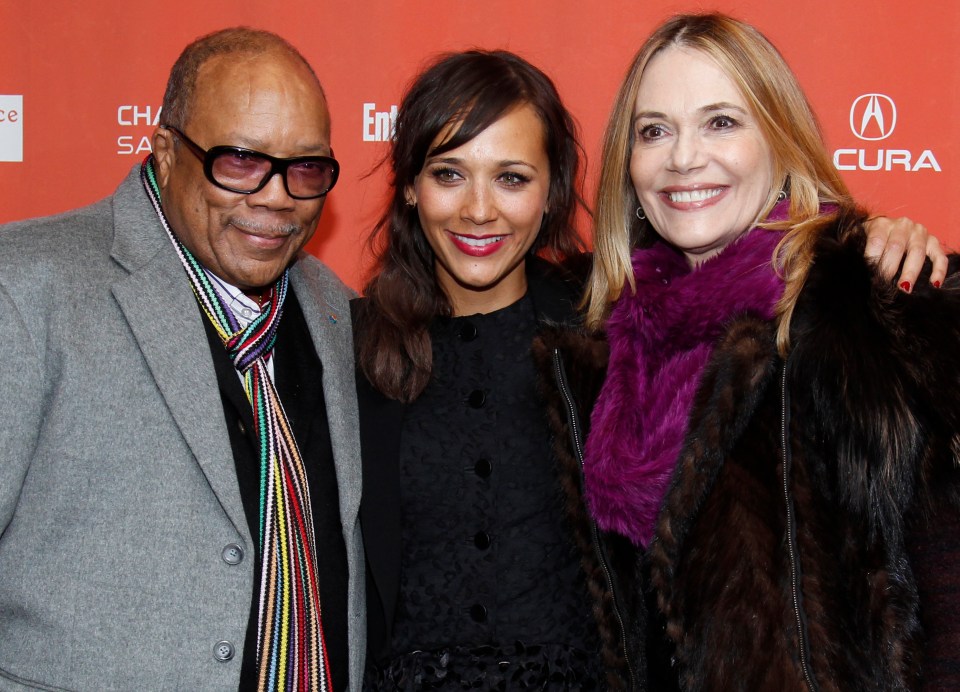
[
  {"x": 378, "y": 125},
  {"x": 873, "y": 117},
  {"x": 138, "y": 122},
  {"x": 11, "y": 127}
]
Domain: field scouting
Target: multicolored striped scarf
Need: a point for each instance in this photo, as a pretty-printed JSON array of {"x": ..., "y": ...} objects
[{"x": 291, "y": 653}]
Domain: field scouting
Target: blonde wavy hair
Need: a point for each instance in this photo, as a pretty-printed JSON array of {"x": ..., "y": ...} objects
[{"x": 800, "y": 159}]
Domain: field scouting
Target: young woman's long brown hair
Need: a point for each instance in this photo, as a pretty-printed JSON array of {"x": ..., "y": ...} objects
[{"x": 464, "y": 93}]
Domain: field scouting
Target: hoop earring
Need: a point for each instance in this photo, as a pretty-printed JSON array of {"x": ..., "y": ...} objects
[
  {"x": 640, "y": 214},
  {"x": 784, "y": 190}
]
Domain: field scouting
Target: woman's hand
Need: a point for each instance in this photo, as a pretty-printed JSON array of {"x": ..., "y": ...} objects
[{"x": 891, "y": 240}]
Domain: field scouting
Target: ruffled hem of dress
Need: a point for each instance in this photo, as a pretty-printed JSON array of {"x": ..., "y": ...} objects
[{"x": 551, "y": 667}]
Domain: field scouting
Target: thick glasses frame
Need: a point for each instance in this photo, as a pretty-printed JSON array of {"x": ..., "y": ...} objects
[{"x": 277, "y": 165}]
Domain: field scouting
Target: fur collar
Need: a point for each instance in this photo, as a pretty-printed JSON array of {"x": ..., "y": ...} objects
[{"x": 660, "y": 339}]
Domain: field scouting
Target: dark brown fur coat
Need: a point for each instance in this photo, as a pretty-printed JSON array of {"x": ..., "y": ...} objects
[
  {"x": 873, "y": 389},
  {"x": 791, "y": 571}
]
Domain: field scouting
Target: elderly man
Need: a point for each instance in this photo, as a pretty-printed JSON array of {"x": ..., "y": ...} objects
[{"x": 179, "y": 458}]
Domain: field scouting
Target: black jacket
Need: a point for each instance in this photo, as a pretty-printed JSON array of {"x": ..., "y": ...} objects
[{"x": 555, "y": 292}]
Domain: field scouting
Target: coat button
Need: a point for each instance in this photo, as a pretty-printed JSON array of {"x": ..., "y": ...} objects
[
  {"x": 241, "y": 427},
  {"x": 478, "y": 613},
  {"x": 232, "y": 554},
  {"x": 476, "y": 398},
  {"x": 468, "y": 332},
  {"x": 483, "y": 468},
  {"x": 223, "y": 651},
  {"x": 481, "y": 539}
]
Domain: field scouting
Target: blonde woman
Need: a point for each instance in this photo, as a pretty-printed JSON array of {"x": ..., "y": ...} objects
[{"x": 775, "y": 429}]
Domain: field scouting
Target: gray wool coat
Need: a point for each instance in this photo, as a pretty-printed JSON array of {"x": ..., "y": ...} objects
[{"x": 118, "y": 490}]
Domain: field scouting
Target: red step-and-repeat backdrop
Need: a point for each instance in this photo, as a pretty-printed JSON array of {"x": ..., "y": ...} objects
[{"x": 81, "y": 85}]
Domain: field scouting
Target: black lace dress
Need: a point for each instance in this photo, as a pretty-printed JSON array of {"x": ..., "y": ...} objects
[{"x": 491, "y": 594}]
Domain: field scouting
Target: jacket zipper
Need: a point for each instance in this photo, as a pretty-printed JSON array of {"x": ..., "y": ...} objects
[
  {"x": 572, "y": 419},
  {"x": 792, "y": 549}
]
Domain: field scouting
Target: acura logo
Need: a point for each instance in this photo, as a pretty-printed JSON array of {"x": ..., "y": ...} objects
[{"x": 873, "y": 117}]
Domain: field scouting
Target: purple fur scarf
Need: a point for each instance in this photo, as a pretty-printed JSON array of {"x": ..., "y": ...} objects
[{"x": 660, "y": 340}]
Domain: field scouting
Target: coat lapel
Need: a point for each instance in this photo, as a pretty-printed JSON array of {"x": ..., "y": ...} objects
[
  {"x": 158, "y": 304},
  {"x": 327, "y": 313}
]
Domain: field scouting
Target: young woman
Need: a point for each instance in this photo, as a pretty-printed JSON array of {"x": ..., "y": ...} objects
[{"x": 474, "y": 575}]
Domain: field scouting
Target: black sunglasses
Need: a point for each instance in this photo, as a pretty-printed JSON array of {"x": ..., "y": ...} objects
[{"x": 246, "y": 171}]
